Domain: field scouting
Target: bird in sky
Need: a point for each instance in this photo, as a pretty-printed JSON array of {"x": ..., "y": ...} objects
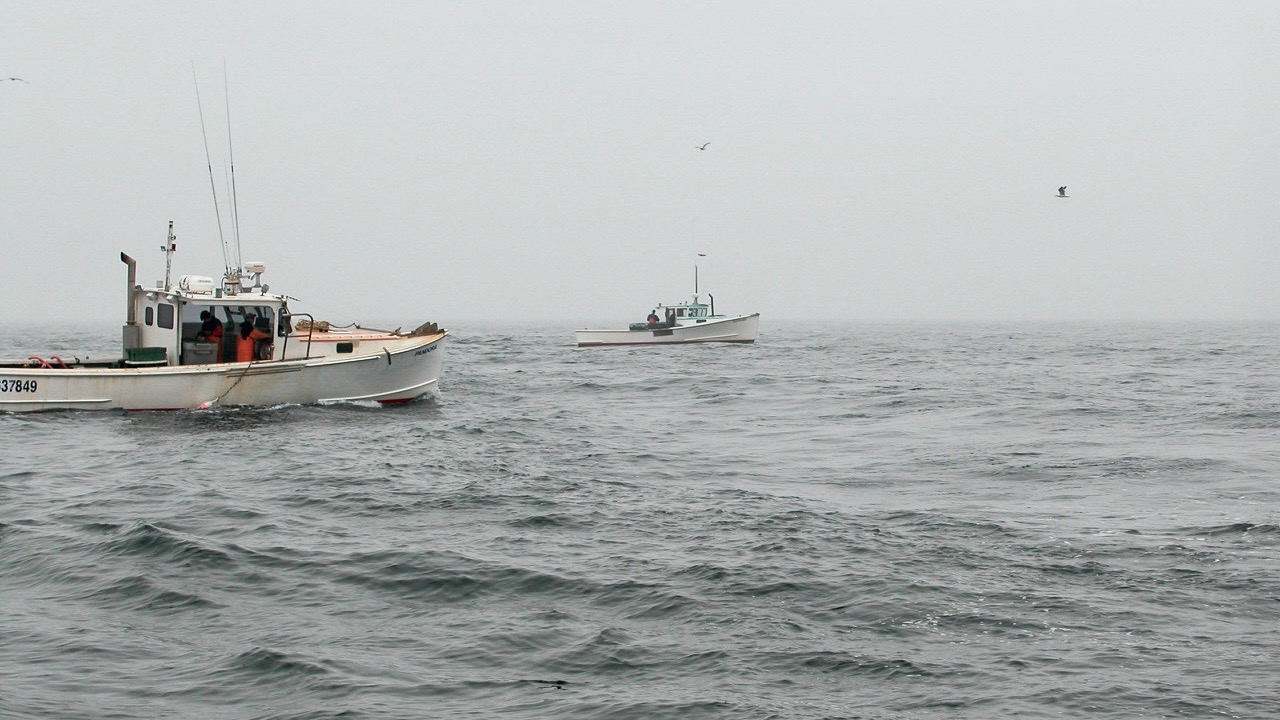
[
  {"x": 18, "y": 79},
  {"x": 1062, "y": 191},
  {"x": 703, "y": 146}
]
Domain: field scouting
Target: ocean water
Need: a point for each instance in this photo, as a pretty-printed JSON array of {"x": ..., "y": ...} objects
[{"x": 866, "y": 521}]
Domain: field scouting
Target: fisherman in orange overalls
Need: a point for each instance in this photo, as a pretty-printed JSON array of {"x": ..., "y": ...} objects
[{"x": 248, "y": 340}]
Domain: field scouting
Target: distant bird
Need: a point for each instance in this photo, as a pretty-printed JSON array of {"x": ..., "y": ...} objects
[
  {"x": 703, "y": 146},
  {"x": 1062, "y": 191},
  {"x": 18, "y": 79}
]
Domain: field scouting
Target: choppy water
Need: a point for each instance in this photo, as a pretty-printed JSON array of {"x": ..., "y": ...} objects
[{"x": 837, "y": 522}]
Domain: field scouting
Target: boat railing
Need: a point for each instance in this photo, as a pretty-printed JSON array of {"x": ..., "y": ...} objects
[{"x": 311, "y": 325}]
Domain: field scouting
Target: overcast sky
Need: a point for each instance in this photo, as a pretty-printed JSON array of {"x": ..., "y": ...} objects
[{"x": 491, "y": 161}]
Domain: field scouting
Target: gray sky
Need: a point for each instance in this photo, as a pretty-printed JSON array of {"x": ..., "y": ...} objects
[{"x": 489, "y": 161}]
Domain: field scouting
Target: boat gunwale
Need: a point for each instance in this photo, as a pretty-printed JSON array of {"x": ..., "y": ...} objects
[{"x": 254, "y": 367}]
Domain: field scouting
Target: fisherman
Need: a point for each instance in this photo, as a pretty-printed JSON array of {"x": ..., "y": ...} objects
[
  {"x": 211, "y": 332},
  {"x": 653, "y": 317},
  {"x": 210, "y": 327},
  {"x": 247, "y": 343}
]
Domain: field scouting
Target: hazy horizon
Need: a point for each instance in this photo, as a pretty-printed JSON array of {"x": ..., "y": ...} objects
[{"x": 490, "y": 163}]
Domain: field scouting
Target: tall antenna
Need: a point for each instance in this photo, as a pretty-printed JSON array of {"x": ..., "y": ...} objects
[
  {"x": 226, "y": 254},
  {"x": 170, "y": 246},
  {"x": 235, "y": 206}
]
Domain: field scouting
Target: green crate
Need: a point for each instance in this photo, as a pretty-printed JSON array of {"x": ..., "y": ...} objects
[{"x": 145, "y": 355}]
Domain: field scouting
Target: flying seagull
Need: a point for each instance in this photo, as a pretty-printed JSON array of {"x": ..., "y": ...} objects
[
  {"x": 18, "y": 79},
  {"x": 1062, "y": 191},
  {"x": 703, "y": 146}
]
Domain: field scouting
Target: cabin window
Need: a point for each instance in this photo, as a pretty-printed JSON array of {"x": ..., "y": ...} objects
[
  {"x": 680, "y": 312},
  {"x": 262, "y": 316},
  {"x": 345, "y": 347},
  {"x": 164, "y": 316},
  {"x": 149, "y": 315}
]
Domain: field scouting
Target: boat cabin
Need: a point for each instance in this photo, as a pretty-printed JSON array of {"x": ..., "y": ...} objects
[
  {"x": 198, "y": 322},
  {"x": 688, "y": 313},
  {"x": 695, "y": 311}
]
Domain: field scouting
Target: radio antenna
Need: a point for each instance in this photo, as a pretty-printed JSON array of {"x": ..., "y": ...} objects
[
  {"x": 235, "y": 206},
  {"x": 213, "y": 186}
]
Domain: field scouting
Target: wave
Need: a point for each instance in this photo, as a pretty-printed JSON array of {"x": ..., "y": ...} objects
[
  {"x": 1238, "y": 529},
  {"x": 840, "y": 662},
  {"x": 144, "y": 594},
  {"x": 145, "y": 539}
]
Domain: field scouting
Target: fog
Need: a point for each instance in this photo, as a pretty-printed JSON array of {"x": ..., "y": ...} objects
[{"x": 491, "y": 162}]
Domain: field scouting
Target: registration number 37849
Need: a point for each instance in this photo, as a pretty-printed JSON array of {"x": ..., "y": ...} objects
[{"x": 9, "y": 385}]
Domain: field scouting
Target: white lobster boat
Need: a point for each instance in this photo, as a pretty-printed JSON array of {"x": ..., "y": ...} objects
[
  {"x": 677, "y": 324},
  {"x": 168, "y": 363}
]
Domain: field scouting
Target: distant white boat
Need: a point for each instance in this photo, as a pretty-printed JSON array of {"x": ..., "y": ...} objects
[
  {"x": 172, "y": 358},
  {"x": 676, "y": 324}
]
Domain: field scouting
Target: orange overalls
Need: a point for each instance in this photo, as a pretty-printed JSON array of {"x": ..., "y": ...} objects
[{"x": 245, "y": 345}]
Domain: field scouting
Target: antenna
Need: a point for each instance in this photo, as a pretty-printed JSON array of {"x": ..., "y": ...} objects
[
  {"x": 226, "y": 255},
  {"x": 230, "y": 192},
  {"x": 235, "y": 206},
  {"x": 169, "y": 247},
  {"x": 695, "y": 273}
]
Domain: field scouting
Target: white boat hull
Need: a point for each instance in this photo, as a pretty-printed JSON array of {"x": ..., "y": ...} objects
[
  {"x": 738, "y": 329},
  {"x": 395, "y": 374}
]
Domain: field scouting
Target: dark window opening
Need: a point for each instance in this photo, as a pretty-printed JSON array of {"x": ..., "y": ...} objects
[
  {"x": 164, "y": 316},
  {"x": 346, "y": 347}
]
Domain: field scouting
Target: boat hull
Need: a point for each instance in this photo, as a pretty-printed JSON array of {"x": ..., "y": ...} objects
[
  {"x": 738, "y": 329},
  {"x": 394, "y": 374}
]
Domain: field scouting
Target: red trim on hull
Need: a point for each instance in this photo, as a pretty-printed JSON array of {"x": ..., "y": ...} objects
[{"x": 674, "y": 342}]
